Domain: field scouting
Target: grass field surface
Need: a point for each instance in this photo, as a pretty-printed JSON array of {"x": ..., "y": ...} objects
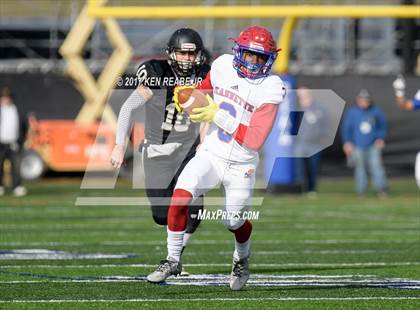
[{"x": 337, "y": 251}]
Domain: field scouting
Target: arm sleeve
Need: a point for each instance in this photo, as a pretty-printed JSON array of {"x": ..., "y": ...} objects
[
  {"x": 254, "y": 135},
  {"x": 381, "y": 125},
  {"x": 346, "y": 128},
  {"x": 124, "y": 123}
]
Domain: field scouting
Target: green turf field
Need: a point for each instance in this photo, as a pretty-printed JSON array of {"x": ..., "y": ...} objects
[{"x": 338, "y": 251}]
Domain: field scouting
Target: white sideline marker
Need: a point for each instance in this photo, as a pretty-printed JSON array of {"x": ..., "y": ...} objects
[
  {"x": 207, "y": 241},
  {"x": 366, "y": 264},
  {"x": 143, "y": 201},
  {"x": 255, "y": 280},
  {"x": 213, "y": 299}
]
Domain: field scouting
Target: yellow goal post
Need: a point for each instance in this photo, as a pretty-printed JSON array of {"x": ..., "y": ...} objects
[{"x": 98, "y": 10}]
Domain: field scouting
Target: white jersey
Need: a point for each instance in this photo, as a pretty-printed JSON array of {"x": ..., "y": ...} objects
[{"x": 241, "y": 97}]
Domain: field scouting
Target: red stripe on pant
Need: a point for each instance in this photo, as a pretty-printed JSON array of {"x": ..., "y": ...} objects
[{"x": 178, "y": 210}]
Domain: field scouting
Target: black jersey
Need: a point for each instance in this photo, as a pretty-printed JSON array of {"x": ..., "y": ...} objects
[{"x": 163, "y": 123}]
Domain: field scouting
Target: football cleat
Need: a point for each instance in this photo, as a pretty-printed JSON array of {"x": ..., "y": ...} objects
[
  {"x": 168, "y": 267},
  {"x": 240, "y": 274},
  {"x": 184, "y": 273}
]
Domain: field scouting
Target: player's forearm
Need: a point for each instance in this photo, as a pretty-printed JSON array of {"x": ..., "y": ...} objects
[
  {"x": 251, "y": 137},
  {"x": 254, "y": 135},
  {"x": 124, "y": 123}
]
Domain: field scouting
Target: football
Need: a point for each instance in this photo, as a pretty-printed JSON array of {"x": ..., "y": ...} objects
[{"x": 190, "y": 98}]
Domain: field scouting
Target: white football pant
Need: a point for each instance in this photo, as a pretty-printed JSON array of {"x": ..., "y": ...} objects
[{"x": 206, "y": 171}]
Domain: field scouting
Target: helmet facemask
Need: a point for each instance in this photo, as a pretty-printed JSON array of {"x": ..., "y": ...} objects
[
  {"x": 251, "y": 70},
  {"x": 185, "y": 67}
]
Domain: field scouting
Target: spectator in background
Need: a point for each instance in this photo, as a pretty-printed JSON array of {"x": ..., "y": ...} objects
[
  {"x": 13, "y": 130},
  {"x": 314, "y": 131},
  {"x": 363, "y": 132}
]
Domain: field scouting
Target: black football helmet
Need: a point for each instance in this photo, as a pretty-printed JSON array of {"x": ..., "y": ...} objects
[{"x": 185, "y": 39}]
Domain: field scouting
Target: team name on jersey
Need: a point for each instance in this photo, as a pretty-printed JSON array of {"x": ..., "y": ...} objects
[{"x": 234, "y": 97}]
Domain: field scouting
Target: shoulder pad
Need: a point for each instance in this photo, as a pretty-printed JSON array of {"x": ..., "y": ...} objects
[{"x": 151, "y": 68}]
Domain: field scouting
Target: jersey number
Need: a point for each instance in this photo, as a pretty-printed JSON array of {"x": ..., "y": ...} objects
[
  {"x": 182, "y": 122},
  {"x": 223, "y": 135}
]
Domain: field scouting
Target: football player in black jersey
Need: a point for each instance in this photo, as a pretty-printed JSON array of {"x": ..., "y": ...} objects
[{"x": 171, "y": 138}]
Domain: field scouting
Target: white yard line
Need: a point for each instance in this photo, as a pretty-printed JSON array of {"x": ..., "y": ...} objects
[
  {"x": 409, "y": 227},
  {"x": 209, "y": 279},
  {"x": 338, "y": 265},
  {"x": 222, "y": 233},
  {"x": 144, "y": 201},
  {"x": 210, "y": 300},
  {"x": 371, "y": 216},
  {"x": 219, "y": 276},
  {"x": 309, "y": 252},
  {"x": 199, "y": 242},
  {"x": 221, "y": 280}
]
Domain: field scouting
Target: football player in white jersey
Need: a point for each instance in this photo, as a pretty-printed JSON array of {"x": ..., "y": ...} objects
[{"x": 241, "y": 115}]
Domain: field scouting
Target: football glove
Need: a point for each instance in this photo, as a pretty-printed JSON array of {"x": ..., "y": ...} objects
[
  {"x": 399, "y": 86},
  {"x": 205, "y": 114},
  {"x": 175, "y": 96}
]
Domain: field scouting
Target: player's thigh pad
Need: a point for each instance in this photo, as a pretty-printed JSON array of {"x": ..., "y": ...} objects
[
  {"x": 239, "y": 183},
  {"x": 199, "y": 176}
]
